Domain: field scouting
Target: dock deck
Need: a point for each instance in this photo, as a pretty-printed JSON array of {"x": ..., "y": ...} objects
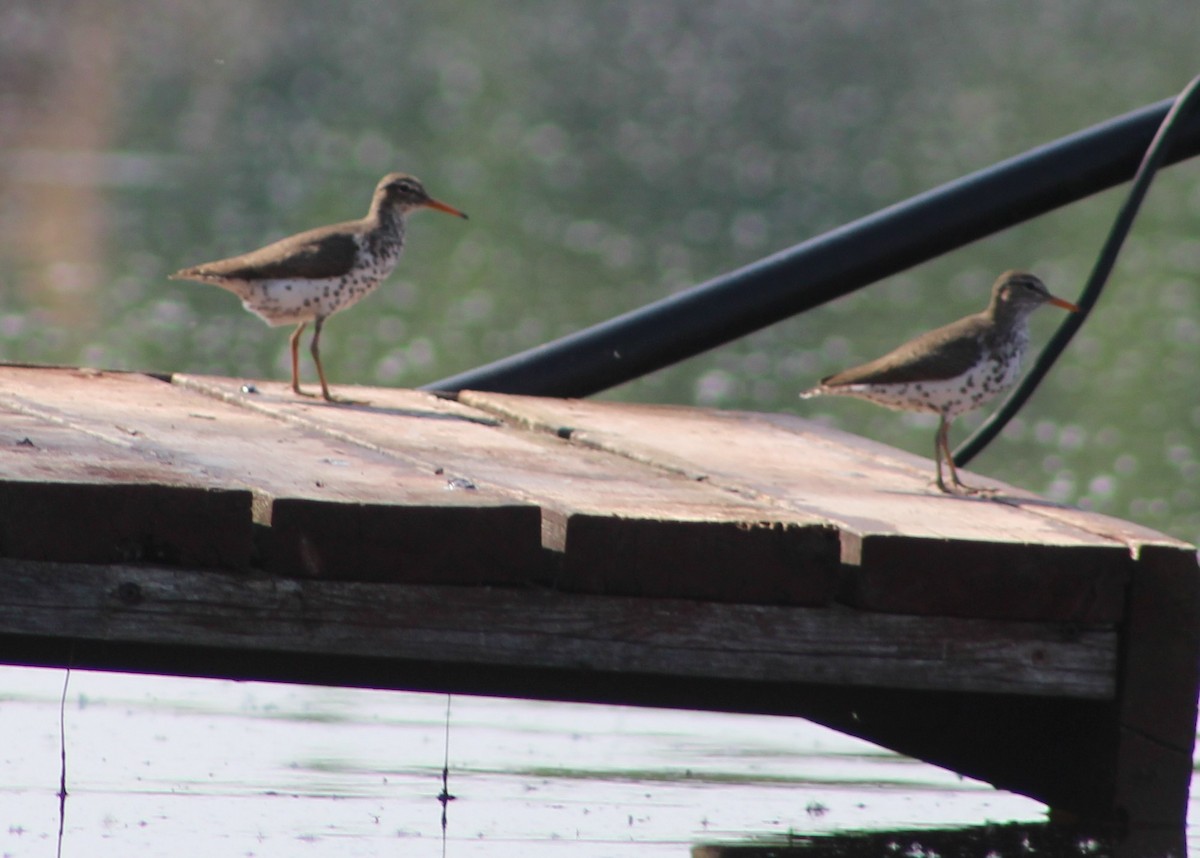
[{"x": 594, "y": 551}]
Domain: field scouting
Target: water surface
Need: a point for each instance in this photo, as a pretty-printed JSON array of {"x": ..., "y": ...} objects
[{"x": 160, "y": 766}]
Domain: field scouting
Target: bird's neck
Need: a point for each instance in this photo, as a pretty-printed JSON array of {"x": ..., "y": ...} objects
[
  {"x": 1012, "y": 314},
  {"x": 1011, "y": 324},
  {"x": 387, "y": 220},
  {"x": 384, "y": 238}
]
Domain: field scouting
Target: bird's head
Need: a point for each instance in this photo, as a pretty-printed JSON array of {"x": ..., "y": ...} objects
[
  {"x": 1018, "y": 293},
  {"x": 403, "y": 193}
]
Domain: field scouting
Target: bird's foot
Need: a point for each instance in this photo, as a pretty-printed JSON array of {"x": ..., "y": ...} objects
[
  {"x": 329, "y": 397},
  {"x": 958, "y": 487},
  {"x": 345, "y": 400},
  {"x": 341, "y": 400}
]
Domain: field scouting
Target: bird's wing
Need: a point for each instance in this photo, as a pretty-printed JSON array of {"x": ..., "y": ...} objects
[
  {"x": 939, "y": 354},
  {"x": 318, "y": 254}
]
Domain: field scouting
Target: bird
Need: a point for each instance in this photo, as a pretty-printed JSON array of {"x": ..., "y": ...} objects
[
  {"x": 955, "y": 368},
  {"x": 310, "y": 276}
]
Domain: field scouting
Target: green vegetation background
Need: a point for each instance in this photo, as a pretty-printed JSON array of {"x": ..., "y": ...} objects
[{"x": 609, "y": 153}]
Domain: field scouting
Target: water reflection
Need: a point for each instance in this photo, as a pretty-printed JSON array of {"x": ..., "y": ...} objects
[
  {"x": 219, "y": 767},
  {"x": 984, "y": 841},
  {"x": 214, "y": 767}
]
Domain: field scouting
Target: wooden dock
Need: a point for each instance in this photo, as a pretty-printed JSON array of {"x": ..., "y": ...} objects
[{"x": 592, "y": 551}]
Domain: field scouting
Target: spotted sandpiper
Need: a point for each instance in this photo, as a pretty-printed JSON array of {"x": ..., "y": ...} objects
[
  {"x": 955, "y": 368},
  {"x": 312, "y": 275}
]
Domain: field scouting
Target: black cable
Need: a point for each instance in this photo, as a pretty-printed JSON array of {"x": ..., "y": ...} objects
[{"x": 1180, "y": 110}]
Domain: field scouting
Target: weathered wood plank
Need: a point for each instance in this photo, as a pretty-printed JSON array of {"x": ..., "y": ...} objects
[
  {"x": 908, "y": 547},
  {"x": 1014, "y": 579},
  {"x": 544, "y": 630},
  {"x": 126, "y": 523},
  {"x": 617, "y": 526},
  {"x": 335, "y": 509},
  {"x": 1161, "y": 661},
  {"x": 1159, "y": 678},
  {"x": 1152, "y": 781},
  {"x": 1054, "y": 632},
  {"x": 65, "y": 497}
]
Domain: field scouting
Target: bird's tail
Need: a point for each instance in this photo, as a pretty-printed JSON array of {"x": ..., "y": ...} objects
[{"x": 193, "y": 273}]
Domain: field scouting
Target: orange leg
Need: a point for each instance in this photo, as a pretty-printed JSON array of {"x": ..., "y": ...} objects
[
  {"x": 944, "y": 452},
  {"x": 939, "y": 447},
  {"x": 315, "y": 348},
  {"x": 295, "y": 343}
]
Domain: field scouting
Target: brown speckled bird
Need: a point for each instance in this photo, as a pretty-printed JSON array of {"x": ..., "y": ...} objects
[
  {"x": 312, "y": 275},
  {"x": 955, "y": 368}
]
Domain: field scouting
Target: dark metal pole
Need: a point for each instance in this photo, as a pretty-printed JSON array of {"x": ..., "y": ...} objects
[{"x": 833, "y": 264}]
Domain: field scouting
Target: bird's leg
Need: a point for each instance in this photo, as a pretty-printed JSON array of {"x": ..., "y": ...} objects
[
  {"x": 315, "y": 348},
  {"x": 939, "y": 445},
  {"x": 295, "y": 342},
  {"x": 959, "y": 485},
  {"x": 955, "y": 481}
]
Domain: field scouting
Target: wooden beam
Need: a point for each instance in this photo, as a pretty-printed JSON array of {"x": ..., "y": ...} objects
[
  {"x": 1058, "y": 750},
  {"x": 539, "y": 630},
  {"x": 1159, "y": 676}
]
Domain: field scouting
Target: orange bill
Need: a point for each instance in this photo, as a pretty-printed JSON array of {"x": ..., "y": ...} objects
[
  {"x": 442, "y": 207},
  {"x": 1057, "y": 302}
]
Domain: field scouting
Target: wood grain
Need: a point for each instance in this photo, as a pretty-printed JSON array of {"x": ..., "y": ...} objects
[
  {"x": 907, "y": 548},
  {"x": 597, "y": 551},
  {"x": 534, "y": 630},
  {"x": 333, "y": 508},
  {"x": 615, "y": 526},
  {"x": 63, "y": 496}
]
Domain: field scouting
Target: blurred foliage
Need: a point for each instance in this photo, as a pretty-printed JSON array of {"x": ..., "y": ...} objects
[{"x": 608, "y": 154}]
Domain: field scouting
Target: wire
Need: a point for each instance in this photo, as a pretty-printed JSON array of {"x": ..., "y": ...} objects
[
  {"x": 445, "y": 797},
  {"x": 1181, "y": 109},
  {"x": 62, "y": 751}
]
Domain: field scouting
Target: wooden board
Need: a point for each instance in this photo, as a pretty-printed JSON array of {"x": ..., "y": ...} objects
[
  {"x": 334, "y": 509},
  {"x": 1159, "y": 676},
  {"x": 615, "y": 526},
  {"x": 907, "y": 547},
  {"x": 65, "y": 497},
  {"x": 791, "y": 569},
  {"x": 533, "y": 631}
]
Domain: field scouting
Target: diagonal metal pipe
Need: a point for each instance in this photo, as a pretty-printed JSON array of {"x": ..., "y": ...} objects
[{"x": 834, "y": 264}]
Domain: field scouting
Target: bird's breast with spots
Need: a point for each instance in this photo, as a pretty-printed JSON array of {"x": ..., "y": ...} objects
[
  {"x": 290, "y": 301},
  {"x": 950, "y": 396}
]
